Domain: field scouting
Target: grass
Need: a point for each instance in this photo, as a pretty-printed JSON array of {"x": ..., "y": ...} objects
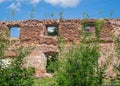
[{"x": 44, "y": 82}]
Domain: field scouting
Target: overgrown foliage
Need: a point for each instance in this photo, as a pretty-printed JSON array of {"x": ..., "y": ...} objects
[
  {"x": 52, "y": 62},
  {"x": 117, "y": 48},
  {"x": 98, "y": 28},
  {"x": 78, "y": 67},
  {"x": 117, "y": 43},
  {"x": 14, "y": 74}
]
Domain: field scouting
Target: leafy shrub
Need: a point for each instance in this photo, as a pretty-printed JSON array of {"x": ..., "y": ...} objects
[
  {"x": 78, "y": 67},
  {"x": 52, "y": 62},
  {"x": 14, "y": 74}
]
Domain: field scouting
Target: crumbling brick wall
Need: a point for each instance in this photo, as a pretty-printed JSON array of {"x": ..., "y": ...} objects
[{"x": 34, "y": 33}]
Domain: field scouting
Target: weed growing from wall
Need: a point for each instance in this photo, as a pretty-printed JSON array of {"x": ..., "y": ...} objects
[
  {"x": 98, "y": 28},
  {"x": 60, "y": 14},
  {"x": 32, "y": 13},
  {"x": 117, "y": 43},
  {"x": 61, "y": 43},
  {"x": 117, "y": 49}
]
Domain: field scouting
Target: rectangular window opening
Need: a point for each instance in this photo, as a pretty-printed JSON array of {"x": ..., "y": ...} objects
[
  {"x": 52, "y": 30},
  {"x": 89, "y": 28},
  {"x": 15, "y": 32}
]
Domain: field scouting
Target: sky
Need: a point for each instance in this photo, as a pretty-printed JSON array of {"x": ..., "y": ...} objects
[
  {"x": 14, "y": 32},
  {"x": 71, "y": 9}
]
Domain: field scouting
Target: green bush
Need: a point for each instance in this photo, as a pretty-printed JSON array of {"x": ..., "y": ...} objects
[
  {"x": 78, "y": 67},
  {"x": 14, "y": 74},
  {"x": 52, "y": 62}
]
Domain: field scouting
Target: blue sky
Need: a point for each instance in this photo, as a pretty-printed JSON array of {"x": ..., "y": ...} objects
[
  {"x": 15, "y": 32},
  {"x": 71, "y": 9}
]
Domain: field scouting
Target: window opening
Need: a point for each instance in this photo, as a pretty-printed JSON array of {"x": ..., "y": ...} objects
[
  {"x": 52, "y": 30},
  {"x": 52, "y": 62},
  {"x": 15, "y": 32}
]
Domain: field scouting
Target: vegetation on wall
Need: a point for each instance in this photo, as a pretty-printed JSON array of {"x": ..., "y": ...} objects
[
  {"x": 52, "y": 62},
  {"x": 14, "y": 74},
  {"x": 78, "y": 66}
]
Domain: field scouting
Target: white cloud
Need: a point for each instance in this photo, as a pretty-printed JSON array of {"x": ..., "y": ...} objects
[
  {"x": 29, "y": 1},
  {"x": 2, "y": 1},
  {"x": 16, "y": 6},
  {"x": 17, "y": 3},
  {"x": 51, "y": 29},
  {"x": 64, "y": 3},
  {"x": 34, "y": 1}
]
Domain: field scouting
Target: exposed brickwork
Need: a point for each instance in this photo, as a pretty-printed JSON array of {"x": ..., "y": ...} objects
[
  {"x": 69, "y": 31},
  {"x": 33, "y": 33}
]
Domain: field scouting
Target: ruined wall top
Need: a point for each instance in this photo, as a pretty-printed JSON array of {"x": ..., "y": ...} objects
[
  {"x": 54, "y": 21},
  {"x": 32, "y": 30}
]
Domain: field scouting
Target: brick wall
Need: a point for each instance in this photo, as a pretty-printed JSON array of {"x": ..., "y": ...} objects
[{"x": 34, "y": 33}]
